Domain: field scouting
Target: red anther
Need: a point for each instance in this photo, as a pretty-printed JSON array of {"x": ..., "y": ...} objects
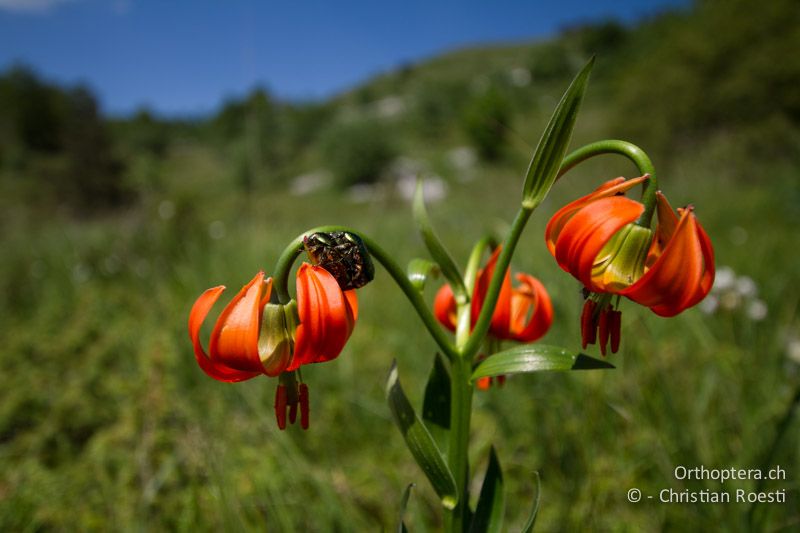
[
  {"x": 588, "y": 324},
  {"x": 484, "y": 383},
  {"x": 293, "y": 412},
  {"x": 614, "y": 326},
  {"x": 586, "y": 319},
  {"x": 280, "y": 406},
  {"x": 603, "y": 330},
  {"x": 501, "y": 380},
  {"x": 303, "y": 406}
]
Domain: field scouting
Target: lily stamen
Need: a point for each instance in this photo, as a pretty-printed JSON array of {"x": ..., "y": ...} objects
[{"x": 280, "y": 406}]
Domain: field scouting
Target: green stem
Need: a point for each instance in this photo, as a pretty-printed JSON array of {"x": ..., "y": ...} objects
[
  {"x": 632, "y": 152},
  {"x": 464, "y": 319},
  {"x": 470, "y": 348},
  {"x": 295, "y": 248},
  {"x": 461, "y": 395},
  {"x": 458, "y": 449}
]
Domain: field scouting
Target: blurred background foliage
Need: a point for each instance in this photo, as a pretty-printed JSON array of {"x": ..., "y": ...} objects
[{"x": 112, "y": 226}]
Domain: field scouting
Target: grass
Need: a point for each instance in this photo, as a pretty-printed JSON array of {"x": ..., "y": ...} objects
[{"x": 106, "y": 418}]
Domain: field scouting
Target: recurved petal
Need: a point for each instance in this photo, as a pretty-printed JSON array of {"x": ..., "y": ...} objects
[
  {"x": 234, "y": 341},
  {"x": 563, "y": 215},
  {"x": 667, "y": 222},
  {"x": 708, "y": 258},
  {"x": 501, "y": 319},
  {"x": 682, "y": 275},
  {"x": 327, "y": 316},
  {"x": 351, "y": 300},
  {"x": 310, "y": 309},
  {"x": 531, "y": 309},
  {"x": 197, "y": 316},
  {"x": 587, "y": 231},
  {"x": 444, "y": 307}
]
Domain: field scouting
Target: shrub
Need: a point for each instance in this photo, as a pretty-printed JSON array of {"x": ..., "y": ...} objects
[
  {"x": 357, "y": 152},
  {"x": 485, "y": 120}
]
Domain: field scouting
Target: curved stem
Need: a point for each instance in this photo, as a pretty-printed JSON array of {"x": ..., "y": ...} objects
[
  {"x": 632, "y": 152},
  {"x": 295, "y": 248}
]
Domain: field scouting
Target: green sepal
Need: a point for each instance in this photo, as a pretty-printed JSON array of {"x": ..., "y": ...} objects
[
  {"x": 528, "y": 527},
  {"x": 420, "y": 442},
  {"x": 491, "y": 507},
  {"x": 436, "y": 404},
  {"x": 536, "y": 358},
  {"x": 419, "y": 270},
  {"x": 436, "y": 248},
  {"x": 546, "y": 161},
  {"x": 401, "y": 526}
]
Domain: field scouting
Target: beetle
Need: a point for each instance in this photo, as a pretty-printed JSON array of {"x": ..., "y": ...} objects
[{"x": 343, "y": 255}]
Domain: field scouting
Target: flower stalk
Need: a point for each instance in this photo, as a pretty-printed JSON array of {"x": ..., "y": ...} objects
[{"x": 626, "y": 149}]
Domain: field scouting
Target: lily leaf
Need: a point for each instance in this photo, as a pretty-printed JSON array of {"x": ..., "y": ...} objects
[
  {"x": 532, "y": 518},
  {"x": 536, "y": 358},
  {"x": 491, "y": 502},
  {"x": 401, "y": 526},
  {"x": 436, "y": 405},
  {"x": 419, "y": 270},
  {"x": 552, "y": 147},
  {"x": 435, "y": 247},
  {"x": 420, "y": 442}
]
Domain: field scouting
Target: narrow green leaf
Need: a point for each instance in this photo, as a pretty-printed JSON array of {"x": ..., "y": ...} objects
[
  {"x": 419, "y": 270},
  {"x": 435, "y": 247},
  {"x": 401, "y": 526},
  {"x": 436, "y": 405},
  {"x": 536, "y": 358},
  {"x": 532, "y": 518},
  {"x": 491, "y": 502},
  {"x": 553, "y": 145},
  {"x": 420, "y": 442}
]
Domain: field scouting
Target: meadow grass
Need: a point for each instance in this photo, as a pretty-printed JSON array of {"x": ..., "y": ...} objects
[{"x": 107, "y": 422}]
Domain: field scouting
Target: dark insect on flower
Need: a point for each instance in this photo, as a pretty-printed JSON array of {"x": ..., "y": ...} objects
[{"x": 344, "y": 255}]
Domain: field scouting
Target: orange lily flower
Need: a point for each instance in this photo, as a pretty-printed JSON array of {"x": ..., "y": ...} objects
[
  {"x": 523, "y": 313},
  {"x": 249, "y": 340},
  {"x": 597, "y": 240}
]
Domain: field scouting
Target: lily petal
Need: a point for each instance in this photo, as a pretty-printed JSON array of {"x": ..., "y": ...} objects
[
  {"x": 327, "y": 316},
  {"x": 501, "y": 319},
  {"x": 444, "y": 307},
  {"x": 682, "y": 275},
  {"x": 234, "y": 341},
  {"x": 197, "y": 316},
  {"x": 563, "y": 215},
  {"x": 587, "y": 231},
  {"x": 531, "y": 295}
]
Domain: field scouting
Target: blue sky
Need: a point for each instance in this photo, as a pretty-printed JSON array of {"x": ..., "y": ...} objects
[{"x": 186, "y": 57}]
